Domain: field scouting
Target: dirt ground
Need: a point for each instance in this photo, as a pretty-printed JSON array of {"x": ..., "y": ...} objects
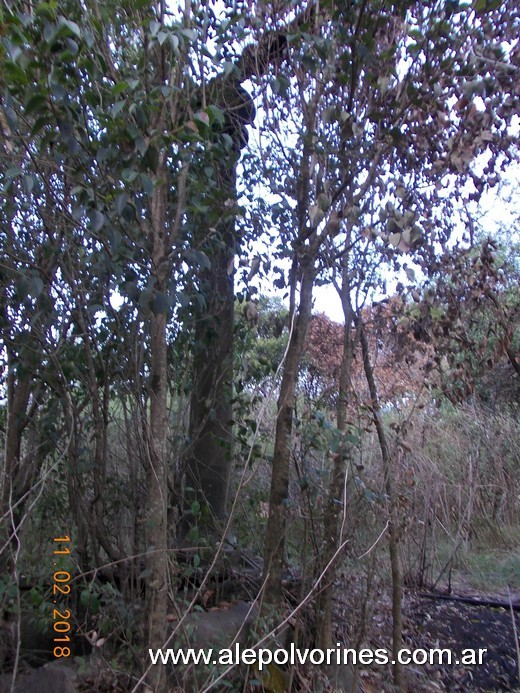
[
  {"x": 431, "y": 623},
  {"x": 460, "y": 626}
]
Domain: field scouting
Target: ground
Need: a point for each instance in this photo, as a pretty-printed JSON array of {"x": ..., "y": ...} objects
[
  {"x": 431, "y": 623},
  {"x": 459, "y": 626}
]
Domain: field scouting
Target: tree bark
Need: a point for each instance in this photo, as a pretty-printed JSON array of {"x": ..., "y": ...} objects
[
  {"x": 156, "y": 473},
  {"x": 210, "y": 429},
  {"x": 393, "y": 520},
  {"x": 208, "y": 464},
  {"x": 336, "y": 500},
  {"x": 276, "y": 525},
  {"x": 18, "y": 395},
  {"x": 208, "y": 461}
]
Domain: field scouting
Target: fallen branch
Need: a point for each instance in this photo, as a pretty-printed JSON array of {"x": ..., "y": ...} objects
[{"x": 473, "y": 601}]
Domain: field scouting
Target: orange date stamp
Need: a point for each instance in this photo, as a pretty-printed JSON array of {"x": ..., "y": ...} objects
[{"x": 60, "y": 589}]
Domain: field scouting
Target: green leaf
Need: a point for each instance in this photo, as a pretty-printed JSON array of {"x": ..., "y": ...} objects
[
  {"x": 140, "y": 145},
  {"x": 84, "y": 597},
  {"x": 28, "y": 184},
  {"x": 89, "y": 38},
  {"x": 97, "y": 220},
  {"x": 39, "y": 123},
  {"x": 128, "y": 212},
  {"x": 129, "y": 175},
  {"x": 316, "y": 215},
  {"x": 131, "y": 290},
  {"x": 46, "y": 9},
  {"x": 116, "y": 108},
  {"x": 58, "y": 91},
  {"x": 146, "y": 299},
  {"x": 395, "y": 238},
  {"x": 22, "y": 287},
  {"x": 72, "y": 49},
  {"x": 114, "y": 238},
  {"x": 71, "y": 25},
  {"x": 334, "y": 445},
  {"x": 413, "y": 49},
  {"x": 131, "y": 129},
  {"x": 139, "y": 115},
  {"x": 50, "y": 31},
  {"x": 16, "y": 74},
  {"x": 36, "y": 102},
  {"x": 36, "y": 286},
  {"x": 280, "y": 85},
  {"x": 189, "y": 34},
  {"x": 119, "y": 88},
  {"x": 120, "y": 201},
  {"x": 323, "y": 202},
  {"x": 200, "y": 258},
  {"x": 174, "y": 40},
  {"x": 216, "y": 115},
  {"x": 13, "y": 172},
  {"x": 201, "y": 119},
  {"x": 183, "y": 298},
  {"x": 151, "y": 158},
  {"x": 147, "y": 183}
]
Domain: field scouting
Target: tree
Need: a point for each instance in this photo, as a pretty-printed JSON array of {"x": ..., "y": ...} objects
[
  {"x": 210, "y": 453},
  {"x": 101, "y": 147},
  {"x": 379, "y": 133}
]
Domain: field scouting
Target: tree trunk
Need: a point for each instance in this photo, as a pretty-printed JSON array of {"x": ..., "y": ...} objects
[
  {"x": 210, "y": 428},
  {"x": 336, "y": 501},
  {"x": 208, "y": 461},
  {"x": 99, "y": 401},
  {"x": 393, "y": 520},
  {"x": 156, "y": 473},
  {"x": 18, "y": 394},
  {"x": 209, "y": 458},
  {"x": 277, "y": 521}
]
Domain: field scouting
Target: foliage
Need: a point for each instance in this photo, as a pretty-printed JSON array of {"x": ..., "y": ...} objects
[
  {"x": 470, "y": 317},
  {"x": 263, "y": 328}
]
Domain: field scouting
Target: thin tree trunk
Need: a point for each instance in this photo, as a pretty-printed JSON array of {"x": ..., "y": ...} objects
[
  {"x": 75, "y": 487},
  {"x": 99, "y": 405},
  {"x": 18, "y": 394},
  {"x": 156, "y": 473},
  {"x": 393, "y": 521},
  {"x": 277, "y": 521},
  {"x": 336, "y": 501}
]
